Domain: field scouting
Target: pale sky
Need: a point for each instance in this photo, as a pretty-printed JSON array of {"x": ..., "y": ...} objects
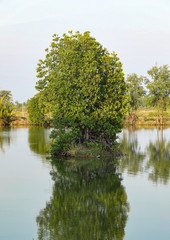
[{"x": 138, "y": 31}]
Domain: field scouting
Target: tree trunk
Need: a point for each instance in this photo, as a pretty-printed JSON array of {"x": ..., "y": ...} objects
[
  {"x": 86, "y": 134},
  {"x": 158, "y": 120},
  {"x": 162, "y": 116}
]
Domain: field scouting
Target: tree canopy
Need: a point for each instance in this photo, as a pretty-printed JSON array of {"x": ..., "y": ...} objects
[
  {"x": 135, "y": 91},
  {"x": 159, "y": 88},
  {"x": 36, "y": 111},
  {"x": 6, "y": 108},
  {"x": 83, "y": 85},
  {"x": 6, "y": 95}
]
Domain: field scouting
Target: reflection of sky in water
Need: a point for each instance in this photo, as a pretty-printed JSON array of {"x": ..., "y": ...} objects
[
  {"x": 146, "y": 150},
  {"x": 25, "y": 185},
  {"x": 149, "y": 216},
  {"x": 145, "y": 136}
]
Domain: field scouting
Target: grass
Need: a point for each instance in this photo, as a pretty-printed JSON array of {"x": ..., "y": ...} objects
[
  {"x": 88, "y": 150},
  {"x": 149, "y": 117}
]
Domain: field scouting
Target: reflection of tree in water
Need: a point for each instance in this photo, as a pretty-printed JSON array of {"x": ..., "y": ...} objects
[
  {"x": 88, "y": 202},
  {"x": 4, "y": 138},
  {"x": 38, "y": 140},
  {"x": 132, "y": 158},
  {"x": 159, "y": 159},
  {"x": 156, "y": 158}
]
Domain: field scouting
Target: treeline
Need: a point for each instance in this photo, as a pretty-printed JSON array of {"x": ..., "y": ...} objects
[
  {"x": 8, "y": 108},
  {"x": 149, "y": 92},
  {"x": 152, "y": 92},
  {"x": 143, "y": 93}
]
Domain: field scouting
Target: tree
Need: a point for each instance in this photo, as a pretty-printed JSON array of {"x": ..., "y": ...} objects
[
  {"x": 21, "y": 106},
  {"x": 159, "y": 89},
  {"x": 135, "y": 92},
  {"x": 36, "y": 111},
  {"x": 6, "y": 95},
  {"x": 85, "y": 89},
  {"x": 6, "y": 112}
]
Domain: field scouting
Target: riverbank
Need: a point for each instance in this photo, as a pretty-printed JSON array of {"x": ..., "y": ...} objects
[
  {"x": 91, "y": 150},
  {"x": 148, "y": 117},
  {"x": 145, "y": 118}
]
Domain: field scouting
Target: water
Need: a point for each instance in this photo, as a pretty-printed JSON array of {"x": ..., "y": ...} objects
[
  {"x": 42, "y": 199},
  {"x": 146, "y": 177},
  {"x": 25, "y": 182}
]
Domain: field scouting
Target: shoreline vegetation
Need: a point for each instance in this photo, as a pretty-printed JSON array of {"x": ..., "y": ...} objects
[
  {"x": 143, "y": 117},
  {"x": 93, "y": 150}
]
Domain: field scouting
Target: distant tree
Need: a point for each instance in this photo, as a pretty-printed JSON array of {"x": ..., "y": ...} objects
[
  {"x": 36, "y": 111},
  {"x": 6, "y": 95},
  {"x": 159, "y": 89},
  {"x": 21, "y": 106},
  {"x": 135, "y": 92},
  {"x": 85, "y": 88},
  {"x": 6, "y": 112}
]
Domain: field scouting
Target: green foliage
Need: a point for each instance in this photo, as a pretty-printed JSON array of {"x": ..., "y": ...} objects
[
  {"x": 6, "y": 112},
  {"x": 135, "y": 91},
  {"x": 88, "y": 150},
  {"x": 21, "y": 106},
  {"x": 6, "y": 95},
  {"x": 84, "y": 87},
  {"x": 159, "y": 89},
  {"x": 36, "y": 111},
  {"x": 64, "y": 139},
  {"x": 94, "y": 148}
]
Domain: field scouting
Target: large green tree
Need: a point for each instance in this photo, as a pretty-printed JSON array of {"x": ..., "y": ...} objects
[
  {"x": 159, "y": 89},
  {"x": 84, "y": 87}
]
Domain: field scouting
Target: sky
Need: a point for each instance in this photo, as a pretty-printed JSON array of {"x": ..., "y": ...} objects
[{"x": 138, "y": 31}]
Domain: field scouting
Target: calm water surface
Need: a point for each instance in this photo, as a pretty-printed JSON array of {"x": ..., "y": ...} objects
[{"x": 127, "y": 198}]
